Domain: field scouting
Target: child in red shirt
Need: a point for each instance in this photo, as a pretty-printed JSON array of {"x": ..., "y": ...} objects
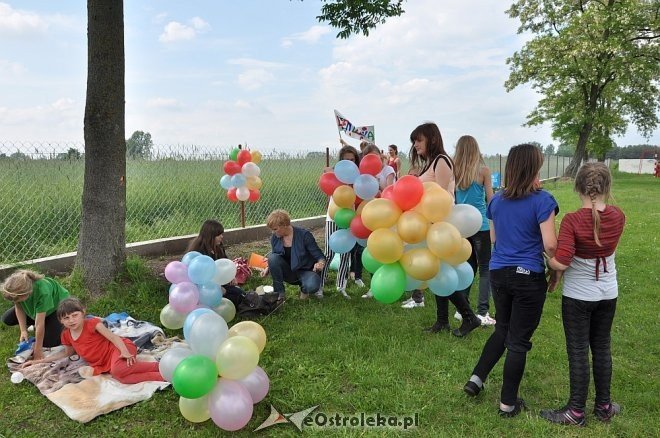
[{"x": 102, "y": 350}]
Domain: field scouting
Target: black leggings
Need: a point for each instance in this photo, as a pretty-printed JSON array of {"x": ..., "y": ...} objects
[
  {"x": 52, "y": 328},
  {"x": 588, "y": 324}
]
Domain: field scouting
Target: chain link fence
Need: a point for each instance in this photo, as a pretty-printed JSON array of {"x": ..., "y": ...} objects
[{"x": 169, "y": 194}]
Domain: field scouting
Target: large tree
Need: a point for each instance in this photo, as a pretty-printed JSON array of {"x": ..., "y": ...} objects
[
  {"x": 139, "y": 145},
  {"x": 101, "y": 246},
  {"x": 597, "y": 65}
]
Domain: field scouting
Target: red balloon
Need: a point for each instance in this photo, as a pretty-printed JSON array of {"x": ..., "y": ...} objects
[
  {"x": 387, "y": 193},
  {"x": 329, "y": 182},
  {"x": 357, "y": 201},
  {"x": 358, "y": 229},
  {"x": 371, "y": 164},
  {"x": 231, "y": 167},
  {"x": 407, "y": 192},
  {"x": 244, "y": 156},
  {"x": 231, "y": 194},
  {"x": 254, "y": 195}
]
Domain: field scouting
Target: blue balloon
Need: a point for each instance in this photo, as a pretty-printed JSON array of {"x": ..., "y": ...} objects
[
  {"x": 366, "y": 186},
  {"x": 346, "y": 171},
  {"x": 192, "y": 316},
  {"x": 412, "y": 283},
  {"x": 445, "y": 282},
  {"x": 189, "y": 256},
  {"x": 362, "y": 242},
  {"x": 341, "y": 241},
  {"x": 238, "y": 180},
  {"x": 201, "y": 269},
  {"x": 172, "y": 286},
  {"x": 465, "y": 275},
  {"x": 210, "y": 294},
  {"x": 225, "y": 182}
]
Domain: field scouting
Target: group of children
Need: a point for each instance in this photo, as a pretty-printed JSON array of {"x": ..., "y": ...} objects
[{"x": 519, "y": 223}]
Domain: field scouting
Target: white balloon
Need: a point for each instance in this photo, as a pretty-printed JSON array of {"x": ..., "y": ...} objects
[
  {"x": 225, "y": 271},
  {"x": 207, "y": 333},
  {"x": 226, "y": 309},
  {"x": 171, "y": 359},
  {"x": 250, "y": 169},
  {"x": 466, "y": 218},
  {"x": 242, "y": 193}
]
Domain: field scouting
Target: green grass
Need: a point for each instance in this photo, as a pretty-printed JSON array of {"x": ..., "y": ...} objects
[{"x": 361, "y": 356}]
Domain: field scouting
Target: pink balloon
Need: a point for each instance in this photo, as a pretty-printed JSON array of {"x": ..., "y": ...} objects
[
  {"x": 176, "y": 272},
  {"x": 184, "y": 297},
  {"x": 230, "y": 405},
  {"x": 257, "y": 384}
]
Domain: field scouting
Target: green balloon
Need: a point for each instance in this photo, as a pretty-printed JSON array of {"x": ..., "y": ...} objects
[
  {"x": 234, "y": 154},
  {"x": 388, "y": 283},
  {"x": 195, "y": 376},
  {"x": 370, "y": 263},
  {"x": 343, "y": 217}
]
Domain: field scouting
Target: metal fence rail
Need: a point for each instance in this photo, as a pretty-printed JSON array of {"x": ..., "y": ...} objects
[{"x": 169, "y": 194}]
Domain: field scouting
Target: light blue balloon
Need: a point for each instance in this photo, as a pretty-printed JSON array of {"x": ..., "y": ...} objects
[
  {"x": 172, "y": 286},
  {"x": 366, "y": 186},
  {"x": 412, "y": 283},
  {"x": 341, "y": 241},
  {"x": 189, "y": 256},
  {"x": 465, "y": 275},
  {"x": 445, "y": 282},
  {"x": 238, "y": 180},
  {"x": 225, "y": 182},
  {"x": 210, "y": 294},
  {"x": 201, "y": 269},
  {"x": 362, "y": 242},
  {"x": 192, "y": 316},
  {"x": 346, "y": 171}
]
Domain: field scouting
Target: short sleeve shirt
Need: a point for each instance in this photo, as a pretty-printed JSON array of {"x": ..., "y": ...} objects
[{"x": 46, "y": 295}]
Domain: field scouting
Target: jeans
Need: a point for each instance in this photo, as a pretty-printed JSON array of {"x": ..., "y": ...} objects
[
  {"x": 480, "y": 258},
  {"x": 52, "y": 326},
  {"x": 588, "y": 324},
  {"x": 280, "y": 270},
  {"x": 519, "y": 300}
]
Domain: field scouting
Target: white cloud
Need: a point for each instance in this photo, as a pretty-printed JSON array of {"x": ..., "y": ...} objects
[
  {"x": 15, "y": 22},
  {"x": 175, "y": 31},
  {"x": 8, "y": 68},
  {"x": 163, "y": 102},
  {"x": 310, "y": 36},
  {"x": 254, "y": 79},
  {"x": 254, "y": 63}
]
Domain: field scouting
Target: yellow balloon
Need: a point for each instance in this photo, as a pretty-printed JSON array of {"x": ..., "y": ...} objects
[
  {"x": 344, "y": 196},
  {"x": 431, "y": 185},
  {"x": 443, "y": 239},
  {"x": 252, "y": 330},
  {"x": 412, "y": 226},
  {"x": 380, "y": 213},
  {"x": 195, "y": 410},
  {"x": 420, "y": 263},
  {"x": 253, "y": 182},
  {"x": 332, "y": 208},
  {"x": 256, "y": 156},
  {"x": 461, "y": 254},
  {"x": 436, "y": 203},
  {"x": 385, "y": 245},
  {"x": 237, "y": 357}
]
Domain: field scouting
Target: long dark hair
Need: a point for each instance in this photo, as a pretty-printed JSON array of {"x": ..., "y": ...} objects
[
  {"x": 522, "y": 167},
  {"x": 348, "y": 149},
  {"x": 434, "y": 146},
  {"x": 205, "y": 244}
]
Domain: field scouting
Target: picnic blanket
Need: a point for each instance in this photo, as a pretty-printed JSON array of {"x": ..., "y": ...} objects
[{"x": 69, "y": 382}]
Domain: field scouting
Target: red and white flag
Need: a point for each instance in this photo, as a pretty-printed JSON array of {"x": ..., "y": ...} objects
[{"x": 359, "y": 132}]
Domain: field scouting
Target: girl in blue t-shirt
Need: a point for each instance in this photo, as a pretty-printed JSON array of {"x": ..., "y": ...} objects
[{"x": 523, "y": 227}]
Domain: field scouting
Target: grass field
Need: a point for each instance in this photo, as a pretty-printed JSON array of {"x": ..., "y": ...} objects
[{"x": 361, "y": 356}]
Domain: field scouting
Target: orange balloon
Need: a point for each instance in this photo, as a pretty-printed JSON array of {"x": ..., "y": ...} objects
[
  {"x": 436, "y": 203},
  {"x": 256, "y": 156},
  {"x": 443, "y": 239},
  {"x": 420, "y": 263},
  {"x": 380, "y": 213},
  {"x": 253, "y": 182},
  {"x": 461, "y": 254},
  {"x": 358, "y": 212},
  {"x": 412, "y": 226},
  {"x": 385, "y": 245},
  {"x": 332, "y": 209},
  {"x": 431, "y": 185},
  {"x": 344, "y": 196}
]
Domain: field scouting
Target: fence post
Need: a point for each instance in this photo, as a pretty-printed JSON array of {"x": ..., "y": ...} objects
[
  {"x": 548, "y": 166},
  {"x": 500, "y": 155},
  {"x": 557, "y": 166}
]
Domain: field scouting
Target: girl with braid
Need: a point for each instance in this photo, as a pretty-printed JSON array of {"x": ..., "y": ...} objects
[{"x": 585, "y": 253}]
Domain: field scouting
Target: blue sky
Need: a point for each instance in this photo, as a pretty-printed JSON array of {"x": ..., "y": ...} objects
[{"x": 265, "y": 72}]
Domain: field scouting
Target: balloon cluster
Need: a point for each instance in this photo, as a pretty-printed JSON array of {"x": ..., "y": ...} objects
[
  {"x": 241, "y": 178},
  {"x": 217, "y": 376}
]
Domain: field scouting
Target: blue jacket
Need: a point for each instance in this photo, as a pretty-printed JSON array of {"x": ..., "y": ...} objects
[{"x": 304, "y": 250}]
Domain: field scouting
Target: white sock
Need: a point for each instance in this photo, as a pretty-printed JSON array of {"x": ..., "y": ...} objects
[
  {"x": 476, "y": 380},
  {"x": 506, "y": 408}
]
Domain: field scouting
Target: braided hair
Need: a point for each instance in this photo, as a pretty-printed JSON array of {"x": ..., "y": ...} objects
[{"x": 593, "y": 180}]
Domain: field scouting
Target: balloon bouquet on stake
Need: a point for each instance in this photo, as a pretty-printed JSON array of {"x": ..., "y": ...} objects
[
  {"x": 241, "y": 178},
  {"x": 216, "y": 375}
]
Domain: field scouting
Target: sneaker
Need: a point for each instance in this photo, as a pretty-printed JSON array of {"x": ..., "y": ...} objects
[
  {"x": 458, "y": 316},
  {"x": 412, "y": 304},
  {"x": 438, "y": 327},
  {"x": 467, "y": 326},
  {"x": 303, "y": 296},
  {"x": 359, "y": 282},
  {"x": 486, "y": 320},
  {"x": 472, "y": 389},
  {"x": 407, "y": 301},
  {"x": 606, "y": 412},
  {"x": 565, "y": 416},
  {"x": 369, "y": 294},
  {"x": 517, "y": 409},
  {"x": 344, "y": 294}
]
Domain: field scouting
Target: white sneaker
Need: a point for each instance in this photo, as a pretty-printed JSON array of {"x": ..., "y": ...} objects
[
  {"x": 458, "y": 316},
  {"x": 369, "y": 294},
  {"x": 409, "y": 300},
  {"x": 359, "y": 282},
  {"x": 486, "y": 320},
  {"x": 344, "y": 294},
  {"x": 412, "y": 304},
  {"x": 319, "y": 294}
]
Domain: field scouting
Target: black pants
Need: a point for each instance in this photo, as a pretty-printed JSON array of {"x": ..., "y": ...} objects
[
  {"x": 480, "y": 258},
  {"x": 519, "y": 299},
  {"x": 588, "y": 324},
  {"x": 459, "y": 300},
  {"x": 234, "y": 294},
  {"x": 52, "y": 326}
]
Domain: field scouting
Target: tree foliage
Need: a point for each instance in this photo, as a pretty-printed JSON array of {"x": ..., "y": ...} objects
[
  {"x": 358, "y": 16},
  {"x": 139, "y": 145},
  {"x": 595, "y": 62}
]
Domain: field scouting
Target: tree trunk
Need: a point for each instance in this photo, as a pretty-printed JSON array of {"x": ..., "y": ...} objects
[
  {"x": 101, "y": 246},
  {"x": 580, "y": 151}
]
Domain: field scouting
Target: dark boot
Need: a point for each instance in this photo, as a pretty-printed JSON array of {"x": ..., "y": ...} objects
[
  {"x": 470, "y": 320},
  {"x": 438, "y": 327}
]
